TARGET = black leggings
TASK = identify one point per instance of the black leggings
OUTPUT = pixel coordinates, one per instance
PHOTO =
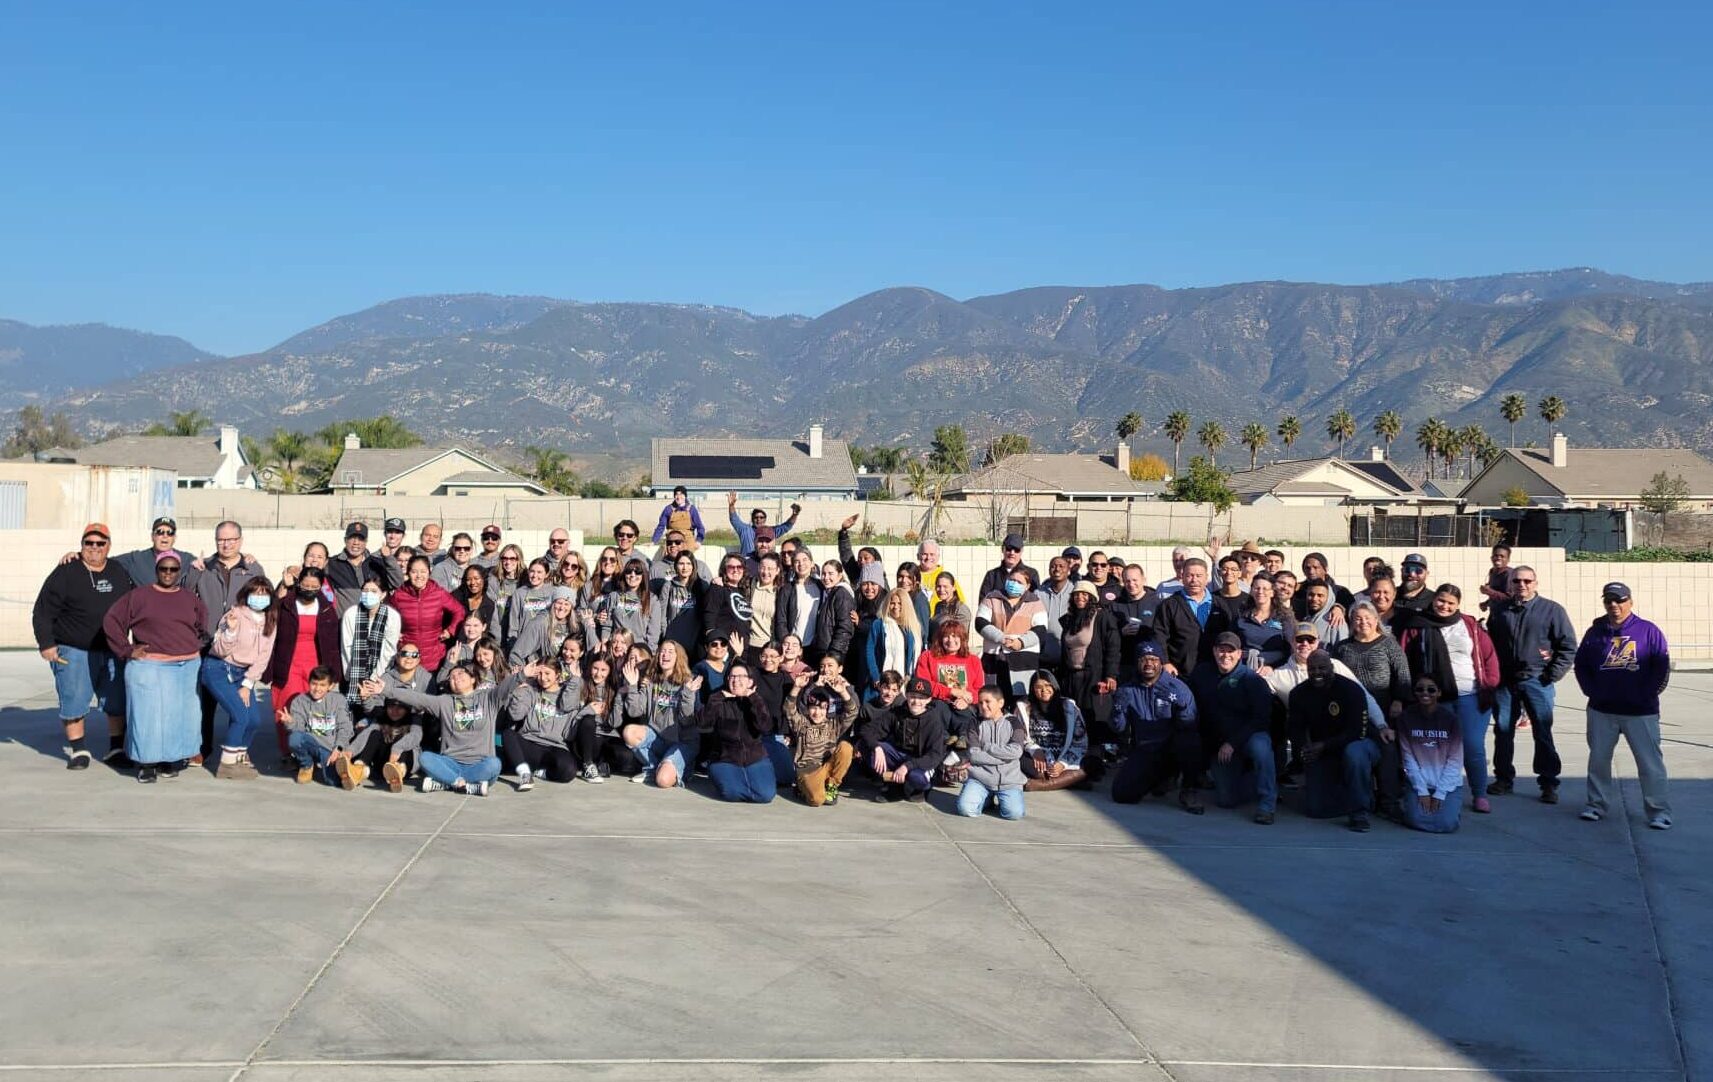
(594, 746)
(555, 764)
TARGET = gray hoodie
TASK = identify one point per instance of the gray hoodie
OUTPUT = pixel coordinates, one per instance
(624, 610)
(667, 708)
(542, 719)
(466, 721)
(328, 721)
(522, 607)
(996, 747)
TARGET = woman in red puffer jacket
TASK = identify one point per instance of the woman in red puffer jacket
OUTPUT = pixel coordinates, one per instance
(428, 615)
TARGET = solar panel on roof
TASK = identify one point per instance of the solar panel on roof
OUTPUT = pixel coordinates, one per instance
(719, 467)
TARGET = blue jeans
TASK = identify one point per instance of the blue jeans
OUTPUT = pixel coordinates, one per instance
(752, 784)
(1233, 786)
(972, 800)
(1443, 821)
(1508, 703)
(311, 755)
(784, 763)
(224, 680)
(1342, 784)
(81, 676)
(1473, 721)
(447, 770)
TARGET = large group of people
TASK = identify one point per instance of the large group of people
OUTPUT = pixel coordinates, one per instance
(776, 668)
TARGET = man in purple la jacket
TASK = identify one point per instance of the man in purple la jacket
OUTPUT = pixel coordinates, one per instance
(1622, 666)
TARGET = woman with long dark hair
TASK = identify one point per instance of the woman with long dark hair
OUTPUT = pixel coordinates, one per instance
(235, 672)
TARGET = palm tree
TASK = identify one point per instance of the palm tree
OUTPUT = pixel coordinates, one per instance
(1254, 437)
(1387, 426)
(1341, 426)
(1212, 436)
(1513, 408)
(1289, 429)
(1177, 429)
(1128, 425)
(1429, 435)
(288, 447)
(1552, 410)
(1472, 437)
(1451, 449)
(549, 468)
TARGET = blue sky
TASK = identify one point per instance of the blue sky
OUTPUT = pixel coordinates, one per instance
(233, 177)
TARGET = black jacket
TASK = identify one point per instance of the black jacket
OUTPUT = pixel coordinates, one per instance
(1334, 716)
(1105, 656)
(994, 581)
(347, 579)
(327, 645)
(725, 609)
(833, 627)
(921, 737)
(740, 725)
(1181, 636)
(1232, 706)
(1521, 632)
(1142, 610)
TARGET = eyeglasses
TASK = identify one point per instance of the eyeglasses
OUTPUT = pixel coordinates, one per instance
(508, 559)
(559, 541)
(227, 540)
(163, 532)
(1525, 582)
(96, 544)
(460, 548)
(609, 559)
(1612, 599)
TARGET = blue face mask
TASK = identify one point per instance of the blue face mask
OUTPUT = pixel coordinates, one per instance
(1013, 588)
(368, 600)
(258, 602)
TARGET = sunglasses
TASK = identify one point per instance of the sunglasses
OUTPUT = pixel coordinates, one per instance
(166, 533)
(167, 569)
(1008, 548)
(490, 537)
(559, 541)
(609, 559)
(1525, 582)
(97, 544)
(1613, 599)
(1099, 563)
(674, 541)
(409, 653)
(460, 548)
(633, 571)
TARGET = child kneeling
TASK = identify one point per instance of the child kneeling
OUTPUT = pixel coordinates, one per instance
(995, 748)
(320, 734)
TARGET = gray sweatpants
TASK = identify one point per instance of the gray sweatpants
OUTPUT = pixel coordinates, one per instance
(1641, 732)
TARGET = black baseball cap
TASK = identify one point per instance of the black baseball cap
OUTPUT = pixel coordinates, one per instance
(1416, 559)
(1072, 553)
(393, 525)
(357, 529)
(164, 521)
(1615, 591)
(1013, 541)
(1228, 638)
(920, 688)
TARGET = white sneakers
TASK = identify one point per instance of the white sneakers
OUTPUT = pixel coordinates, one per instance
(1592, 815)
(525, 779)
(1661, 821)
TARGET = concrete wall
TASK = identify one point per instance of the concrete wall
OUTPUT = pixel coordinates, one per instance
(1142, 520)
(1679, 597)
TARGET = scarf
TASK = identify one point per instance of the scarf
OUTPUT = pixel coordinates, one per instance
(1431, 651)
(366, 646)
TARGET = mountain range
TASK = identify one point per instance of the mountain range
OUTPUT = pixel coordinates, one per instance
(1633, 359)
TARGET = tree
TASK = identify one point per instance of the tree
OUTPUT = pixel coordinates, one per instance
(1430, 435)
(1513, 408)
(1387, 426)
(1290, 430)
(1204, 483)
(549, 469)
(1451, 449)
(35, 434)
(1472, 438)
(1128, 425)
(1005, 445)
(185, 423)
(1552, 410)
(951, 450)
(1516, 496)
(1341, 426)
(385, 431)
(1177, 429)
(1148, 468)
(1254, 437)
(1212, 436)
(1665, 495)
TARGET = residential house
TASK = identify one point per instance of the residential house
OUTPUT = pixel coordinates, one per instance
(1328, 482)
(1056, 478)
(1566, 476)
(423, 471)
(814, 468)
(203, 461)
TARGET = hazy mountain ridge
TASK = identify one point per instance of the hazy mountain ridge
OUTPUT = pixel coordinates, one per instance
(1059, 364)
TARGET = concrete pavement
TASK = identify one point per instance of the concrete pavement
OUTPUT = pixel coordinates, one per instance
(203, 929)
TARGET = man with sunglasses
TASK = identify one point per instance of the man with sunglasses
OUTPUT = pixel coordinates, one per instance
(163, 537)
(558, 547)
(489, 557)
(660, 568)
(67, 623)
(625, 535)
(1537, 647)
(1012, 560)
(1622, 665)
(757, 521)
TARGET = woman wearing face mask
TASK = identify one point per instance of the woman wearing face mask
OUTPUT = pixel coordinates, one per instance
(368, 637)
(235, 672)
(1010, 622)
(428, 616)
(307, 636)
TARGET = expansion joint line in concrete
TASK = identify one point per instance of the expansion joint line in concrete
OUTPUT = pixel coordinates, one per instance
(256, 1052)
(1673, 1012)
(1029, 926)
